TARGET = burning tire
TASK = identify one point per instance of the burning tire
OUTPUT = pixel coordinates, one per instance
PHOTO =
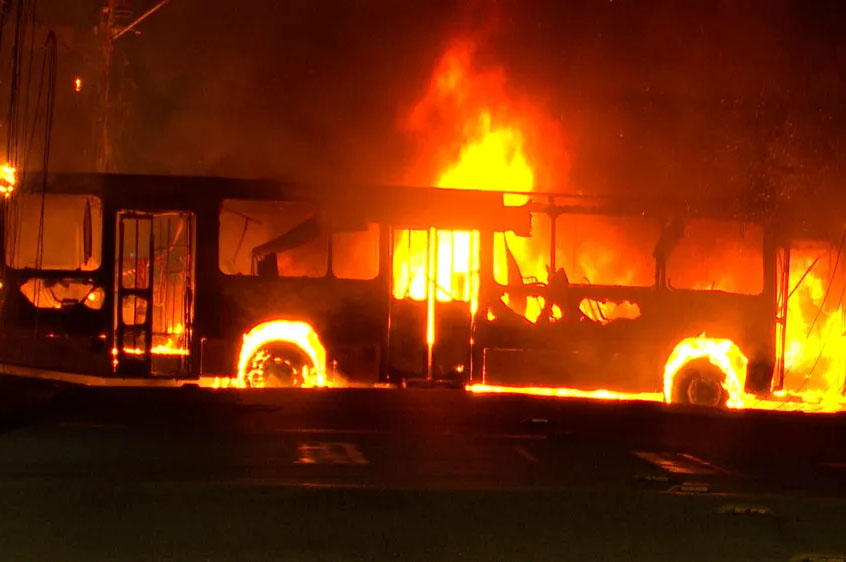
(278, 365)
(700, 383)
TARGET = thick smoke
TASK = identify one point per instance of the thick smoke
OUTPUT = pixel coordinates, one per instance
(724, 98)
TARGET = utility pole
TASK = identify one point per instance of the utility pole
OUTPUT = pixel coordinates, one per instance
(115, 20)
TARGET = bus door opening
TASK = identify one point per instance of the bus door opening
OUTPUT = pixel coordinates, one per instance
(435, 299)
(154, 293)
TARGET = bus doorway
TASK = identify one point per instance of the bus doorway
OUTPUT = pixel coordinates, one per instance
(434, 301)
(154, 287)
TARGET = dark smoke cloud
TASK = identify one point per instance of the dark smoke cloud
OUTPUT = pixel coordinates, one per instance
(655, 97)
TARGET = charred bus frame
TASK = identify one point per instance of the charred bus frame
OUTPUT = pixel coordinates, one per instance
(103, 321)
(98, 317)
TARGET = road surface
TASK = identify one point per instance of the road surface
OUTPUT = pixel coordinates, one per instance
(195, 474)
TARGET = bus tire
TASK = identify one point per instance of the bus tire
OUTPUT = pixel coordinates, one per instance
(699, 383)
(277, 364)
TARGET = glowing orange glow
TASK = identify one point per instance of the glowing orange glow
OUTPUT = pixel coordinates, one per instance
(432, 278)
(530, 308)
(174, 343)
(815, 349)
(534, 307)
(492, 159)
(77, 84)
(472, 134)
(228, 382)
(722, 353)
(563, 392)
(7, 179)
(557, 313)
(300, 334)
(606, 311)
(156, 350)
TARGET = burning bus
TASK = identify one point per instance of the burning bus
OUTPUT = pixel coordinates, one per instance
(119, 279)
(161, 280)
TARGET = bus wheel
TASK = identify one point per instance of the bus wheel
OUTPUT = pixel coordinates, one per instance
(700, 383)
(278, 365)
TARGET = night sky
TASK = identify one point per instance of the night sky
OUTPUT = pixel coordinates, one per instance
(652, 97)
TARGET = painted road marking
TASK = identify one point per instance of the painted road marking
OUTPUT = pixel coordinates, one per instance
(744, 509)
(687, 488)
(326, 452)
(652, 478)
(391, 433)
(526, 454)
(679, 463)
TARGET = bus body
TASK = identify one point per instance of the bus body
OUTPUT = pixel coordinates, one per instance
(623, 286)
(158, 279)
(162, 280)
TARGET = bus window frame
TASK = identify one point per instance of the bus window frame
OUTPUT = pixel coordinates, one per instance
(54, 273)
(761, 250)
(319, 209)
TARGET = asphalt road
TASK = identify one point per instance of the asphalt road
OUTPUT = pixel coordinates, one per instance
(193, 474)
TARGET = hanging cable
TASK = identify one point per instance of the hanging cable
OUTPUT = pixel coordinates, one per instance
(14, 84)
(14, 234)
(36, 116)
(50, 61)
(27, 91)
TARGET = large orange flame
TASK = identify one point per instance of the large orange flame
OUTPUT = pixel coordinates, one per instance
(298, 333)
(472, 134)
(815, 339)
(722, 353)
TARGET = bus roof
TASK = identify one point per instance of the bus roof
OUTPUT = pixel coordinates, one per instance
(400, 206)
(421, 207)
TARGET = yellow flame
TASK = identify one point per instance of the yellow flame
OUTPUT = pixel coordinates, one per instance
(295, 332)
(606, 311)
(815, 350)
(7, 179)
(564, 392)
(493, 159)
(161, 349)
(722, 353)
